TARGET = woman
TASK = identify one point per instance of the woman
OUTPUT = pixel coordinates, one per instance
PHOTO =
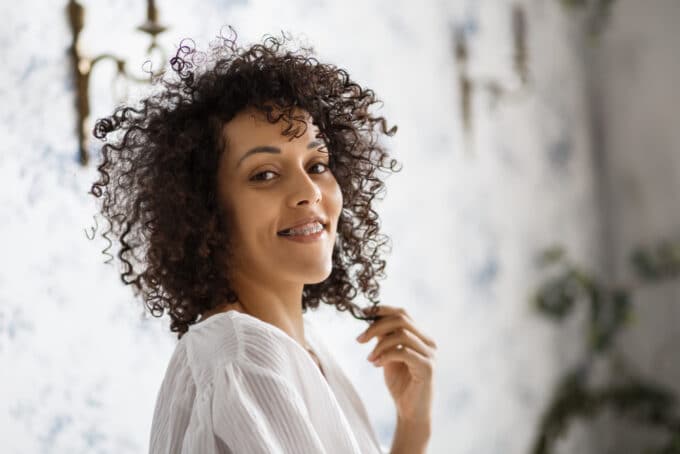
(241, 196)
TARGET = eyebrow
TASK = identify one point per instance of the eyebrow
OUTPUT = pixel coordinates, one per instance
(274, 150)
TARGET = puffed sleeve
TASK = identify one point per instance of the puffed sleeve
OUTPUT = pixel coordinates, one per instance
(176, 428)
(257, 411)
(173, 405)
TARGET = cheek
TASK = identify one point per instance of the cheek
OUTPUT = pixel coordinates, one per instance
(334, 197)
(257, 213)
(247, 215)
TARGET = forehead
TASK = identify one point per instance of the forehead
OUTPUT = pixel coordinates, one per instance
(250, 128)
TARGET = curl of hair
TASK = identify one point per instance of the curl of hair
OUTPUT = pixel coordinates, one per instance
(157, 178)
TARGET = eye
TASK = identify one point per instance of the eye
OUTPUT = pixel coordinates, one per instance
(325, 166)
(257, 175)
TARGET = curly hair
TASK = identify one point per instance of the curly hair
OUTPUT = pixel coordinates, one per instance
(158, 180)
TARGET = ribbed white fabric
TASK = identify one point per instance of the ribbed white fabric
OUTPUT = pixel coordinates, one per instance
(238, 385)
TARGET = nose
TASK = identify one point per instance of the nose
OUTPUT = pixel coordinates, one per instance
(304, 190)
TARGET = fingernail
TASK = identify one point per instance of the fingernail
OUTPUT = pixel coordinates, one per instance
(361, 336)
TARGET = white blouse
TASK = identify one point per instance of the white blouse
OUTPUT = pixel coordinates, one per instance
(238, 385)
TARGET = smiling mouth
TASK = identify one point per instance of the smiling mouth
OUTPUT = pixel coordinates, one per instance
(306, 230)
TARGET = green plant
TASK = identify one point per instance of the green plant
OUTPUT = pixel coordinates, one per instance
(610, 308)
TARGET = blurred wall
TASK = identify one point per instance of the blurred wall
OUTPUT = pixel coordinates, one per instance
(634, 72)
(79, 363)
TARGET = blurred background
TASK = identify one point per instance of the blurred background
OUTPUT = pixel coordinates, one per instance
(535, 224)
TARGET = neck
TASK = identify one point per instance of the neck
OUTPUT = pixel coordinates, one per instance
(279, 305)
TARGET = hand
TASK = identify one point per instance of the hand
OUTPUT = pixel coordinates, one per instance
(408, 370)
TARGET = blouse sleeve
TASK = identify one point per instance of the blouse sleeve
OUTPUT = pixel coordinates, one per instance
(181, 422)
(239, 407)
(258, 411)
(173, 405)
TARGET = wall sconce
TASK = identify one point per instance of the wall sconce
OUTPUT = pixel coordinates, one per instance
(82, 66)
(495, 88)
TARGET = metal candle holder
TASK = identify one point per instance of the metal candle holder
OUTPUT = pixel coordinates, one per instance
(82, 65)
(495, 88)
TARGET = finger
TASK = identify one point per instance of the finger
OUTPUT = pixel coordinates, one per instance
(418, 365)
(400, 337)
(390, 323)
(382, 310)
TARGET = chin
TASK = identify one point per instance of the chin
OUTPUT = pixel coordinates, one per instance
(307, 269)
(318, 275)
(318, 281)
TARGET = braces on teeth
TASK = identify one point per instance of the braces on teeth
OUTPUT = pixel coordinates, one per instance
(317, 227)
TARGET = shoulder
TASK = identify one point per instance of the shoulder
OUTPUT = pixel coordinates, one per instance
(234, 338)
(177, 368)
(265, 346)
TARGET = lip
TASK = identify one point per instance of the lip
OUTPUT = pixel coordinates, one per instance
(307, 220)
(306, 238)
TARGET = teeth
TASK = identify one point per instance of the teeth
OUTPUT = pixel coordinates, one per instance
(308, 229)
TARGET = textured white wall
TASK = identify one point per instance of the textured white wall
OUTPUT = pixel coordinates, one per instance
(80, 365)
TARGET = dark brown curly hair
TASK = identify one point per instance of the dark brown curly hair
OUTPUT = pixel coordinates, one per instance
(158, 174)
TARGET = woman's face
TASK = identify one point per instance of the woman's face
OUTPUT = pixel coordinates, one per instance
(267, 183)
